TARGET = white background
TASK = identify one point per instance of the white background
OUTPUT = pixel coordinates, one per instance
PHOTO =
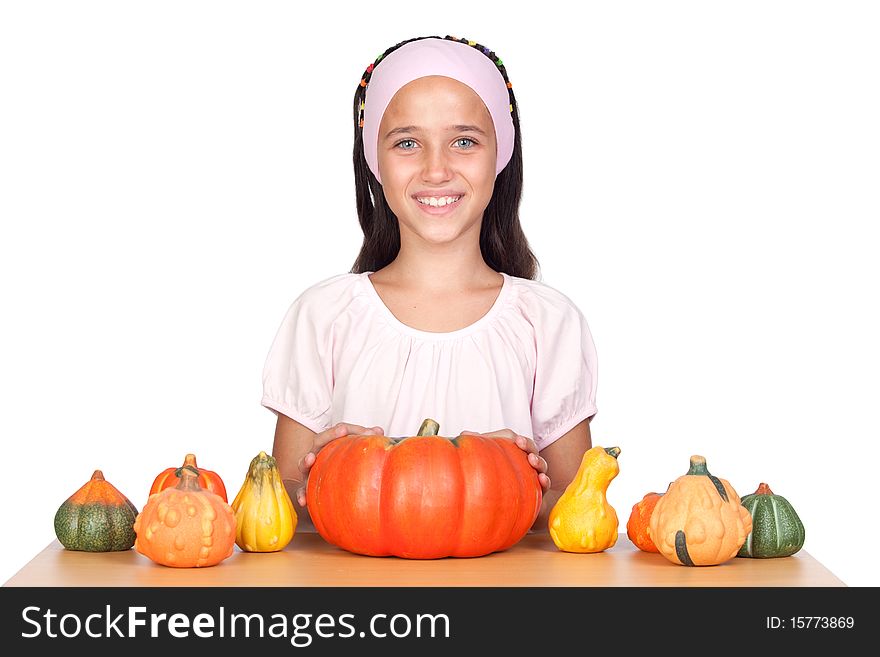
(701, 179)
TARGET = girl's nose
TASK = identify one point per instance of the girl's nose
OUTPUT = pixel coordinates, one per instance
(436, 162)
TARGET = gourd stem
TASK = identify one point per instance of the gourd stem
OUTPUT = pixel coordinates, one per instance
(261, 465)
(189, 478)
(179, 472)
(613, 451)
(429, 428)
(262, 461)
(763, 489)
(698, 466)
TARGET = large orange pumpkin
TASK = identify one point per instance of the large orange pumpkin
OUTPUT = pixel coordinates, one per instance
(185, 526)
(208, 479)
(423, 496)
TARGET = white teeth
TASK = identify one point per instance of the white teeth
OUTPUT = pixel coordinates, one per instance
(437, 202)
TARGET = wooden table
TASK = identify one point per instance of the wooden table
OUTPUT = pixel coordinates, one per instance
(309, 561)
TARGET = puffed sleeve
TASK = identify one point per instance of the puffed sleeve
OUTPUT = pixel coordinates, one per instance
(298, 372)
(565, 372)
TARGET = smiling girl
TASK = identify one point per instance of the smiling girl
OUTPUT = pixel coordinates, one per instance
(440, 316)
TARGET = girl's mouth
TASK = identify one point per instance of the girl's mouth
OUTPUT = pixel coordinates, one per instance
(439, 209)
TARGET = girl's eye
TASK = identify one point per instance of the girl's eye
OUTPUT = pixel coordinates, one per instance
(404, 141)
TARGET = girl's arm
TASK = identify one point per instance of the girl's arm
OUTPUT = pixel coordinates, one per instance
(563, 457)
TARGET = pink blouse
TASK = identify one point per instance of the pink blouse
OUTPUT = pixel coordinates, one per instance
(340, 355)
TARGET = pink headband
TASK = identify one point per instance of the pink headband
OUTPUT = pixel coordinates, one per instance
(435, 56)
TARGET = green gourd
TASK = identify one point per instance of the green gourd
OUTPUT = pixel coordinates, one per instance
(777, 531)
(96, 518)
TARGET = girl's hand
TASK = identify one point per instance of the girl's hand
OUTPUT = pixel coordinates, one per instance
(528, 446)
(308, 460)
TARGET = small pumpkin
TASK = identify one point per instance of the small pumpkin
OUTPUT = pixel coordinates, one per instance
(208, 479)
(424, 496)
(96, 518)
(699, 520)
(186, 526)
(582, 520)
(637, 525)
(265, 518)
(777, 530)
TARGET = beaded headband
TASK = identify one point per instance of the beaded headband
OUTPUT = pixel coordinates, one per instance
(449, 57)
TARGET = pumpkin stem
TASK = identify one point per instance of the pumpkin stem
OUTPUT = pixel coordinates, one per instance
(763, 489)
(190, 460)
(429, 428)
(98, 476)
(613, 451)
(189, 478)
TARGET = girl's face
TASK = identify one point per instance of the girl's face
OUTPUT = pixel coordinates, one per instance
(441, 143)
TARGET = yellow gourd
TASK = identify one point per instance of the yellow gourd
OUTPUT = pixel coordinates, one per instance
(582, 520)
(264, 515)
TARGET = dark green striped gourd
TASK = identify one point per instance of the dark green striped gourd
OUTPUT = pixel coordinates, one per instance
(777, 531)
(96, 518)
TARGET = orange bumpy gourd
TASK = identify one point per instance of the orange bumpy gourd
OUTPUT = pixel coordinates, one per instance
(699, 521)
(637, 525)
(186, 526)
(208, 479)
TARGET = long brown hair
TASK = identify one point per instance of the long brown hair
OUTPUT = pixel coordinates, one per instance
(502, 242)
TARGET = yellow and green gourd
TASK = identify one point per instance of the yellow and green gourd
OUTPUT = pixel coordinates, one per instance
(264, 514)
(777, 530)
